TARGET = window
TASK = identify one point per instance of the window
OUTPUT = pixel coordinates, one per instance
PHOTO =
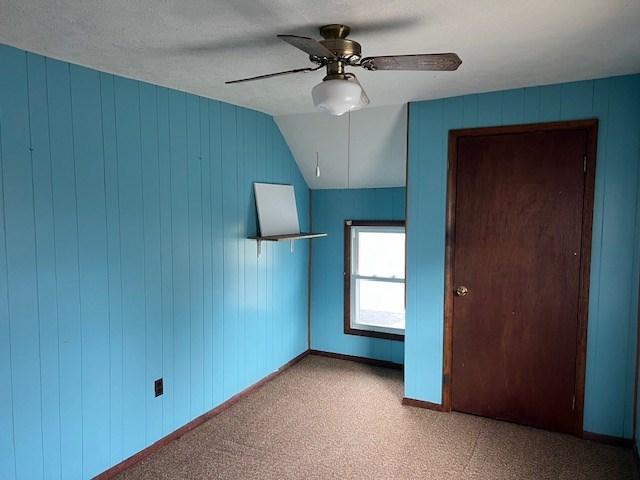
(374, 286)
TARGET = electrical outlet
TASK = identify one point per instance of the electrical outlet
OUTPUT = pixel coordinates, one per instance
(158, 387)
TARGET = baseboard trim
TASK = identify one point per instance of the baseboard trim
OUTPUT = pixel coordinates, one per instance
(153, 448)
(411, 402)
(353, 358)
(608, 439)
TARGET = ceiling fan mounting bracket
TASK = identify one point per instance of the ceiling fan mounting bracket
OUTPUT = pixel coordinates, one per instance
(334, 30)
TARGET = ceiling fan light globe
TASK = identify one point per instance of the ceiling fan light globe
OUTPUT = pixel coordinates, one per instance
(336, 96)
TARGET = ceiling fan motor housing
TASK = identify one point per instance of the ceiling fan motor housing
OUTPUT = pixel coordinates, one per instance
(343, 48)
(348, 52)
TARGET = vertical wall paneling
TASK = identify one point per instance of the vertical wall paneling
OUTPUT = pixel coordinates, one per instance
(531, 105)
(319, 275)
(194, 247)
(614, 359)
(512, 106)
(127, 107)
(92, 255)
(302, 271)
(490, 108)
(22, 268)
(67, 275)
(469, 111)
(207, 276)
(613, 293)
(149, 142)
(334, 264)
(575, 100)
(342, 201)
(269, 260)
(114, 289)
(19, 231)
(240, 251)
(431, 203)
(230, 274)
(217, 256)
(550, 103)
(166, 261)
(7, 444)
(124, 211)
(288, 330)
(276, 146)
(45, 259)
(250, 255)
(410, 337)
(601, 111)
(261, 300)
(180, 255)
(330, 209)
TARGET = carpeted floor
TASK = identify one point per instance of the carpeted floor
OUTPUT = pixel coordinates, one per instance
(327, 418)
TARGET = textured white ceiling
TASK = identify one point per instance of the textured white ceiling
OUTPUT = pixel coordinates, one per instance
(196, 45)
(364, 151)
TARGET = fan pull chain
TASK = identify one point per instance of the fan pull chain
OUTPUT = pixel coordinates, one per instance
(349, 152)
(318, 145)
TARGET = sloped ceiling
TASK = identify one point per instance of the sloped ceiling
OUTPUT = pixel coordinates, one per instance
(364, 150)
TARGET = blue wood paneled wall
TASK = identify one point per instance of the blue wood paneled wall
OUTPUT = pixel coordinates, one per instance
(123, 259)
(613, 302)
(330, 208)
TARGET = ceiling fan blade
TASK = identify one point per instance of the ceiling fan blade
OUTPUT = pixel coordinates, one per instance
(428, 61)
(309, 45)
(364, 98)
(269, 75)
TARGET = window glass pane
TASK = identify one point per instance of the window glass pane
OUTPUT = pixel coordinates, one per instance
(380, 254)
(380, 304)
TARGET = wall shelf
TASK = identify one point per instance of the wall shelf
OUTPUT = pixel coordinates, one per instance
(283, 238)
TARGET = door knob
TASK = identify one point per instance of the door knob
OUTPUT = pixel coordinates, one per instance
(461, 291)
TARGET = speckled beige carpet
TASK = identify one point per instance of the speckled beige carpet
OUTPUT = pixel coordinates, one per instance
(327, 418)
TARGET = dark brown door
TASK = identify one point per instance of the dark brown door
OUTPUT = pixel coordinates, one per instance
(517, 249)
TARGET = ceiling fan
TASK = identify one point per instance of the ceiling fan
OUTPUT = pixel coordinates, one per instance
(340, 91)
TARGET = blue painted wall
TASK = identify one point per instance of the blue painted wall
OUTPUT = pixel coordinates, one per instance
(613, 302)
(330, 208)
(123, 216)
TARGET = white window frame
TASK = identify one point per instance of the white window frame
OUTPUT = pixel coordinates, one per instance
(356, 228)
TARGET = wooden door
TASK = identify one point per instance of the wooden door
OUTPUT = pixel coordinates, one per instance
(518, 250)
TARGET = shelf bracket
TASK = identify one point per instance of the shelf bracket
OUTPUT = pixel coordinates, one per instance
(283, 238)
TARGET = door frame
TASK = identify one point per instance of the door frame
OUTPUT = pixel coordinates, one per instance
(591, 127)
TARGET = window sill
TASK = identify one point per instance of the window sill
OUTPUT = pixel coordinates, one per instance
(371, 333)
